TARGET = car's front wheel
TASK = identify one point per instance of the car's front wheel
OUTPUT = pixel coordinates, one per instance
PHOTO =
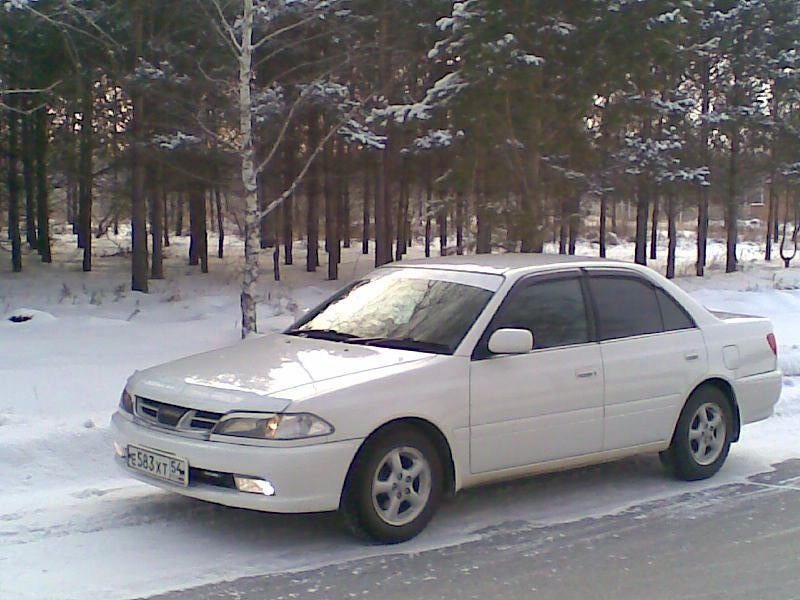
(394, 486)
(702, 436)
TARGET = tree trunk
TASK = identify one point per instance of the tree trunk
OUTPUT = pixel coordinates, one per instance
(365, 208)
(574, 225)
(654, 230)
(732, 207)
(771, 216)
(614, 216)
(642, 210)
(85, 172)
(343, 215)
(266, 229)
(179, 215)
(702, 232)
(483, 233)
(312, 200)
(402, 212)
(533, 224)
(42, 201)
(603, 220)
(200, 226)
(702, 207)
(194, 226)
(220, 223)
(428, 203)
(428, 236)
(165, 213)
(249, 175)
(383, 217)
(289, 173)
(156, 221)
(672, 233)
(383, 213)
(27, 174)
(331, 213)
(460, 222)
(441, 220)
(563, 229)
(276, 250)
(13, 194)
(138, 203)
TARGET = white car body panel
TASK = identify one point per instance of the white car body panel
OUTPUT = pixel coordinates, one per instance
(504, 417)
(549, 406)
(646, 379)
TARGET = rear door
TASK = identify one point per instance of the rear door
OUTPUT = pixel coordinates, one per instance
(652, 356)
(546, 404)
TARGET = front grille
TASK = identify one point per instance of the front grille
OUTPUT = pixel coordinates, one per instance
(175, 417)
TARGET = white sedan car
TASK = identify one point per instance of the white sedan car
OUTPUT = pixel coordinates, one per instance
(428, 377)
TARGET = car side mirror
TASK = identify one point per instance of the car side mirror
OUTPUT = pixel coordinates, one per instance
(511, 341)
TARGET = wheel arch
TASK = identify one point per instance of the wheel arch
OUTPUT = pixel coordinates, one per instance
(726, 389)
(431, 431)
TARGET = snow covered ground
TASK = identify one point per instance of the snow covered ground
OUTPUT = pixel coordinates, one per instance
(73, 526)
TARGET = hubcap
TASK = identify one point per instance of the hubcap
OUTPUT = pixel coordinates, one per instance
(401, 486)
(707, 434)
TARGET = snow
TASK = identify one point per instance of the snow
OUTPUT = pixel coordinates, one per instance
(73, 526)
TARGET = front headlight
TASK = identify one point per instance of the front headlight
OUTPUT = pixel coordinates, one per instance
(273, 427)
(126, 402)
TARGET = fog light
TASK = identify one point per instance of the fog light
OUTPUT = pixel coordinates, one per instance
(120, 450)
(254, 486)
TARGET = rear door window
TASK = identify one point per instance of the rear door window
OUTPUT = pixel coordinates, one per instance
(675, 317)
(625, 306)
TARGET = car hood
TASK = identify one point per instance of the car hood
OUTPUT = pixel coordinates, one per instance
(253, 375)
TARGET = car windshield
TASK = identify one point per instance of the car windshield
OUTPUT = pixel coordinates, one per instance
(413, 309)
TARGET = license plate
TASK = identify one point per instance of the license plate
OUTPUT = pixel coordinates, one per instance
(158, 465)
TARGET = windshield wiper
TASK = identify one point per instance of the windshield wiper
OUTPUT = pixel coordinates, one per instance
(403, 344)
(322, 334)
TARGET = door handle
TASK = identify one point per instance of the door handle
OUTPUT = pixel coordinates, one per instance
(692, 355)
(585, 374)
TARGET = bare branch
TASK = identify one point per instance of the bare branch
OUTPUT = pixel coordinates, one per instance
(30, 90)
(231, 146)
(229, 32)
(288, 192)
(287, 28)
(286, 122)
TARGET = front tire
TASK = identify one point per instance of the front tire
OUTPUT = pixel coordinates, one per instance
(394, 486)
(702, 437)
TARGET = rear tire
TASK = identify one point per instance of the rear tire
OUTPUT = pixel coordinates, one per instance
(394, 486)
(702, 437)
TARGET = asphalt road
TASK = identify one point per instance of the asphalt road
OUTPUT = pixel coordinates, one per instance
(736, 541)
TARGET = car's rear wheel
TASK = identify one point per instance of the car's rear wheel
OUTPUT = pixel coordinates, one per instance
(394, 486)
(702, 437)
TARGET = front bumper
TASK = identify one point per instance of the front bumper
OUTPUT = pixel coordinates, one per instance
(305, 478)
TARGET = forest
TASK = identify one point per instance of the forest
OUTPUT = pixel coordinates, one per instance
(470, 126)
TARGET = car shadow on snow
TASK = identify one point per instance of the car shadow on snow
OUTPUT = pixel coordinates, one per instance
(538, 500)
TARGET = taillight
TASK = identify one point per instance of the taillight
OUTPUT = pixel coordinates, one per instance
(772, 343)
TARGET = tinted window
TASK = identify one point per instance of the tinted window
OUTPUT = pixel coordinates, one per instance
(674, 316)
(553, 311)
(625, 307)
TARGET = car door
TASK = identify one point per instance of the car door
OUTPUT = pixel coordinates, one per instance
(546, 404)
(652, 355)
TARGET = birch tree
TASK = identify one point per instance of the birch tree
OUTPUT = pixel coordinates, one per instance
(254, 32)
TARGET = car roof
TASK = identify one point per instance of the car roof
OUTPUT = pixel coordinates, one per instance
(506, 263)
